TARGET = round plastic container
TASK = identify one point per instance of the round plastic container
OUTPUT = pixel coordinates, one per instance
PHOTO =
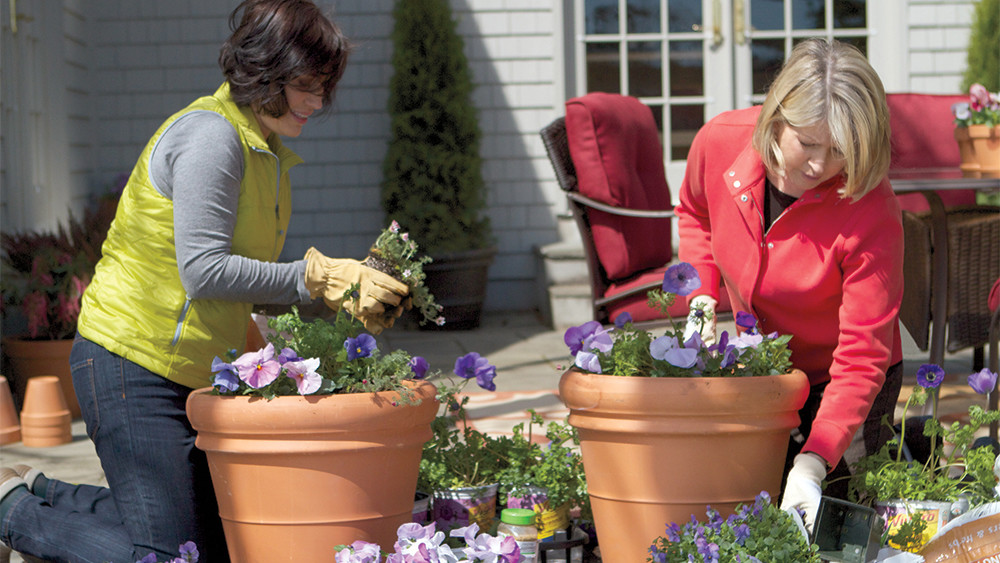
(519, 523)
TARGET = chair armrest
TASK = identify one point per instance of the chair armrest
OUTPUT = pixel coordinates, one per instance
(623, 211)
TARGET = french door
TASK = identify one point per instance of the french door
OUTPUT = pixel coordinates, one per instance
(690, 60)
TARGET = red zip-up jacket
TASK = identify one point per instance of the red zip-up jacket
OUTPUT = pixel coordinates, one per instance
(829, 271)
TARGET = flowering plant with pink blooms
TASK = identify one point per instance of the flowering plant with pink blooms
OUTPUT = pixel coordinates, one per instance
(420, 544)
(625, 350)
(397, 254)
(46, 272)
(983, 108)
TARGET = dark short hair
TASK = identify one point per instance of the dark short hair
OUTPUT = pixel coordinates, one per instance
(275, 41)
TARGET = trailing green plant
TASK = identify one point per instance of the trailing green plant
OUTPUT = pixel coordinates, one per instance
(757, 532)
(397, 254)
(458, 455)
(433, 183)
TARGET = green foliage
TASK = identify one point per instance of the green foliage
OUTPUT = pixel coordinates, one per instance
(983, 59)
(325, 340)
(947, 474)
(433, 174)
(556, 467)
(757, 532)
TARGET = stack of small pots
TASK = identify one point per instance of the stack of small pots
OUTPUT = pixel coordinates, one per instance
(45, 417)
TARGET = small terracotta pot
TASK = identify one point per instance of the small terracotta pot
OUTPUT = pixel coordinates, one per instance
(45, 418)
(969, 164)
(31, 358)
(986, 144)
(657, 450)
(10, 428)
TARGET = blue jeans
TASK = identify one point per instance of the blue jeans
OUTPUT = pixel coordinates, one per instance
(159, 492)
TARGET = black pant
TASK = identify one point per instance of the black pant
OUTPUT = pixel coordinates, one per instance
(873, 433)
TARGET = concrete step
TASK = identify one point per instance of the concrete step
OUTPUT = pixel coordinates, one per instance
(562, 263)
(569, 305)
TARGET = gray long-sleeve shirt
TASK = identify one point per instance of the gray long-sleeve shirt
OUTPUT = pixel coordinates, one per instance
(198, 164)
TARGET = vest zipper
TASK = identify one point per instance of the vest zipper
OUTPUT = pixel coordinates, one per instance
(180, 321)
(277, 199)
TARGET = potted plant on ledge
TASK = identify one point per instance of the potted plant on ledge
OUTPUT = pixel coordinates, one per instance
(669, 426)
(433, 183)
(44, 275)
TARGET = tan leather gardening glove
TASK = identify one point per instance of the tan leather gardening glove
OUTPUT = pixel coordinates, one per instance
(378, 296)
(701, 318)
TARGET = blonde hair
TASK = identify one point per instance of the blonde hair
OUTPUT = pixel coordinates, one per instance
(831, 83)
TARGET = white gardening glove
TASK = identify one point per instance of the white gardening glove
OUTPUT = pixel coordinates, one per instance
(701, 318)
(803, 488)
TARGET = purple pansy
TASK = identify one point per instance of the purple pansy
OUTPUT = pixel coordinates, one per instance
(575, 335)
(681, 279)
(360, 347)
(668, 349)
(419, 367)
(473, 365)
(983, 381)
(623, 319)
(259, 368)
(930, 376)
(226, 375)
(588, 361)
(287, 355)
(745, 320)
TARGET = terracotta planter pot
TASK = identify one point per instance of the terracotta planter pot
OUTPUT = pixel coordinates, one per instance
(10, 427)
(31, 358)
(986, 145)
(45, 419)
(969, 164)
(657, 450)
(297, 476)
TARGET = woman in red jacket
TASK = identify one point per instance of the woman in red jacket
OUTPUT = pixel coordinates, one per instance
(788, 203)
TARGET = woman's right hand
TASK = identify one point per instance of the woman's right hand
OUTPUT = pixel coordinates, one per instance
(379, 295)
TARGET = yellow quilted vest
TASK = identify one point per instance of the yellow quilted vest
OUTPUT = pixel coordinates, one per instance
(136, 306)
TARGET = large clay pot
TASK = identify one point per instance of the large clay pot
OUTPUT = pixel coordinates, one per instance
(297, 476)
(458, 281)
(29, 358)
(657, 450)
(10, 426)
(986, 145)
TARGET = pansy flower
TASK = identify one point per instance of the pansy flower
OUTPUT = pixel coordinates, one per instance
(258, 368)
(575, 335)
(419, 367)
(360, 347)
(473, 365)
(303, 372)
(681, 279)
(226, 375)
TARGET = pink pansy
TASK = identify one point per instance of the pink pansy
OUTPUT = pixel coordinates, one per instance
(258, 368)
(304, 374)
(979, 97)
(394, 226)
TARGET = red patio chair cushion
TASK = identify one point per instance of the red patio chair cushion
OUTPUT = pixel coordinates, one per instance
(618, 157)
(923, 136)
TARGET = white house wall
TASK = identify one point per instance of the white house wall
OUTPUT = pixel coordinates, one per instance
(130, 63)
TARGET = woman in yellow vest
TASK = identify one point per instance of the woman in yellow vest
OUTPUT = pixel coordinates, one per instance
(193, 246)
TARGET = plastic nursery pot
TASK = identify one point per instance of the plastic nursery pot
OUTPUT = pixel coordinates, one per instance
(550, 520)
(657, 450)
(45, 418)
(421, 507)
(897, 512)
(10, 427)
(299, 475)
(458, 507)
